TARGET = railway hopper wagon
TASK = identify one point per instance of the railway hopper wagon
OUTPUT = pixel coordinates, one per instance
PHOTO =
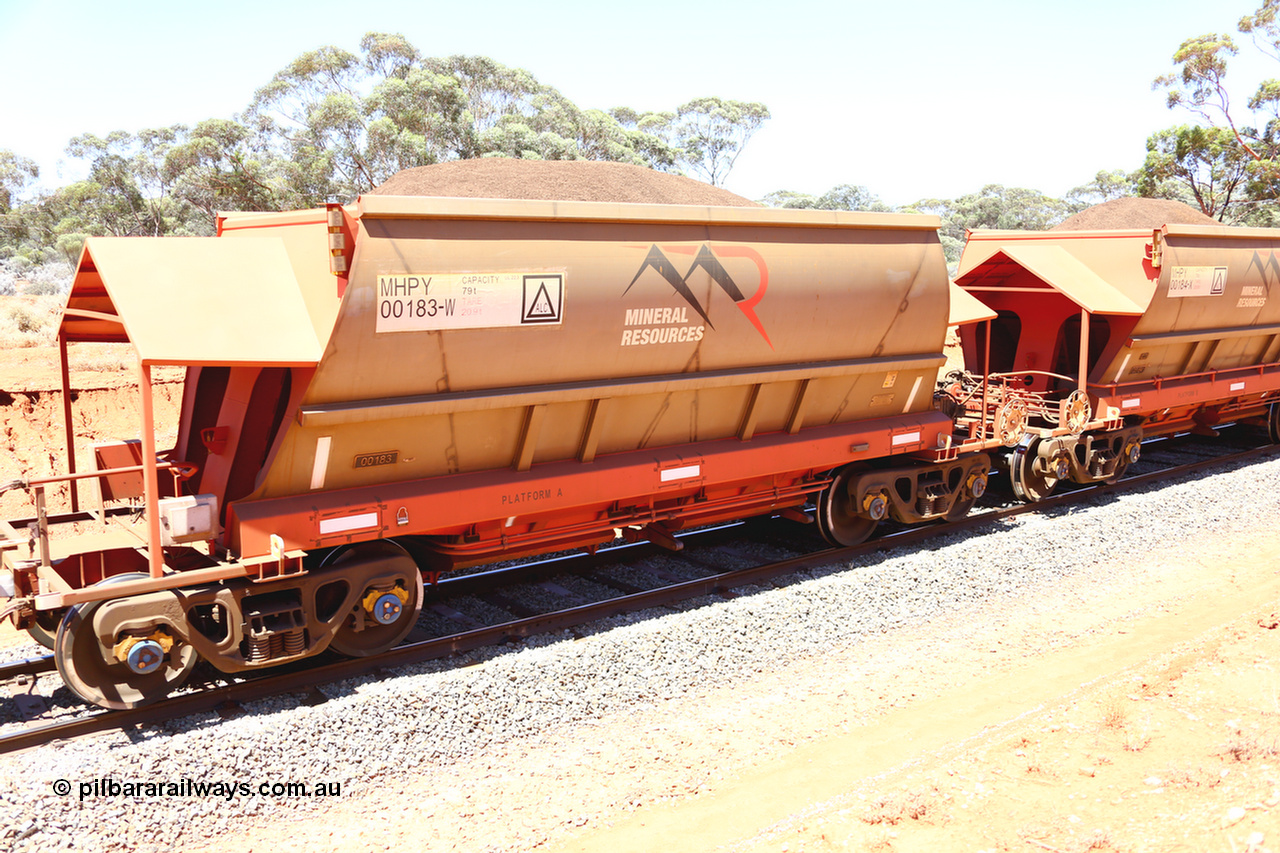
(1102, 337)
(380, 392)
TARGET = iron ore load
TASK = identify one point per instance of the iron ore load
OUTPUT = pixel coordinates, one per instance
(383, 391)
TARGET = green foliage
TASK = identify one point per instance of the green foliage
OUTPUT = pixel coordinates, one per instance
(70, 245)
(994, 206)
(309, 115)
(710, 133)
(648, 134)
(1200, 82)
(150, 183)
(342, 123)
(15, 173)
(215, 166)
(1264, 27)
(1105, 186)
(125, 193)
(1202, 162)
(1230, 165)
(334, 123)
(839, 197)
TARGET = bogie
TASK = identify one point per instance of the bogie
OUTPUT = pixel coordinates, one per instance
(859, 497)
(130, 651)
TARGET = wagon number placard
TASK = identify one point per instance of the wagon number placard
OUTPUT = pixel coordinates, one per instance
(1197, 281)
(428, 302)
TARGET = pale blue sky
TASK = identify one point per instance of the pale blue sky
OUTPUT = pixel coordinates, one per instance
(913, 100)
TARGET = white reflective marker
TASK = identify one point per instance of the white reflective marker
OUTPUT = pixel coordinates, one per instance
(680, 473)
(322, 461)
(348, 522)
(911, 398)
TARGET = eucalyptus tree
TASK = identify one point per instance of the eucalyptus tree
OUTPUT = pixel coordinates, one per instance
(311, 114)
(710, 133)
(1203, 166)
(344, 122)
(16, 172)
(217, 167)
(334, 123)
(1107, 185)
(839, 197)
(1250, 137)
(994, 206)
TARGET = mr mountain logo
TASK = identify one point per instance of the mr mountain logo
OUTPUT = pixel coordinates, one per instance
(672, 325)
(1255, 295)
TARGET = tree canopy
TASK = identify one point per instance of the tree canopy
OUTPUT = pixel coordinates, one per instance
(839, 197)
(334, 123)
(1229, 161)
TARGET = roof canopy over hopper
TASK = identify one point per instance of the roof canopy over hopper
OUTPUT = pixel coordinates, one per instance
(1098, 282)
(966, 309)
(193, 300)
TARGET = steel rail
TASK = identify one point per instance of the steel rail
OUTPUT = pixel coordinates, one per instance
(29, 666)
(310, 677)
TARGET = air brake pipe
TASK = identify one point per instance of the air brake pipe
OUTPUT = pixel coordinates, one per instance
(186, 471)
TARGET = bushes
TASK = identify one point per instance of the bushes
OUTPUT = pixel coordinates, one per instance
(28, 322)
(31, 297)
(18, 275)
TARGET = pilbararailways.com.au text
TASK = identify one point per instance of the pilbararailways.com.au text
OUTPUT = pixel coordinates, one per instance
(111, 787)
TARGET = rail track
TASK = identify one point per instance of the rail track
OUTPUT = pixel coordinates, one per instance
(227, 697)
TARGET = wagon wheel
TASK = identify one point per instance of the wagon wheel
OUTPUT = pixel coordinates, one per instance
(1029, 485)
(961, 508)
(95, 676)
(1273, 423)
(973, 490)
(380, 618)
(1011, 421)
(838, 519)
(1128, 456)
(1075, 412)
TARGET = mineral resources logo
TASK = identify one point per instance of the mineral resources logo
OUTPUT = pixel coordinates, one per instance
(672, 325)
